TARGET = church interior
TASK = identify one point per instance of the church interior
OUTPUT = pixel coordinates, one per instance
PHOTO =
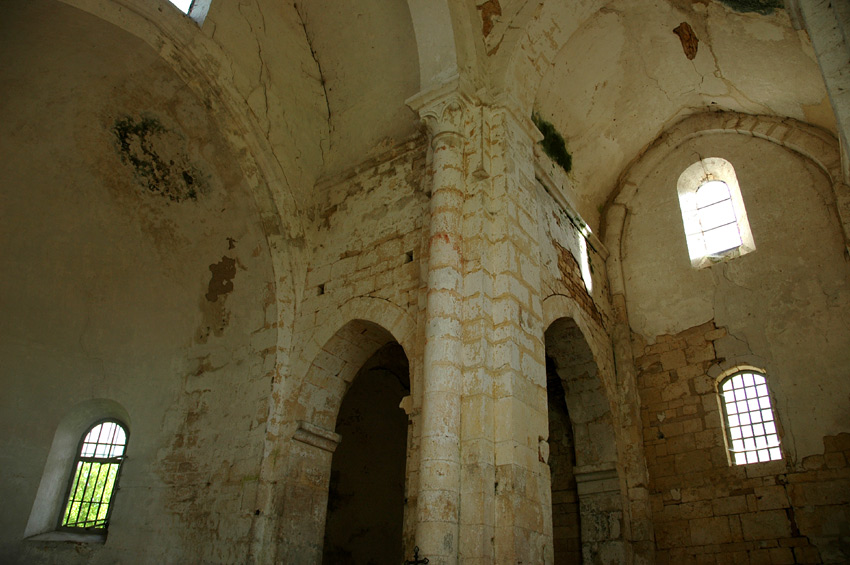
(381, 281)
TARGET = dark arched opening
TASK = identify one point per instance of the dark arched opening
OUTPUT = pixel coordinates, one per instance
(366, 495)
(566, 522)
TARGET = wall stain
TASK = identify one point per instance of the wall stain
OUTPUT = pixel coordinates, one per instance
(689, 39)
(158, 158)
(489, 11)
(221, 281)
(216, 316)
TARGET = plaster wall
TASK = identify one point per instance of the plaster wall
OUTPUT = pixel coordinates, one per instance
(623, 76)
(785, 306)
(156, 295)
(276, 75)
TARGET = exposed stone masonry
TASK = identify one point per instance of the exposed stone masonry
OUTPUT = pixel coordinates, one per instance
(706, 510)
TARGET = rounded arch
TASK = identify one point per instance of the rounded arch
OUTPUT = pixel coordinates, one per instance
(323, 371)
(331, 357)
(389, 316)
(544, 33)
(50, 497)
(557, 306)
(588, 404)
(814, 144)
(596, 435)
(435, 41)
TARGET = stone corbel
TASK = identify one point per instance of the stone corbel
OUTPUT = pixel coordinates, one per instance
(410, 410)
(312, 434)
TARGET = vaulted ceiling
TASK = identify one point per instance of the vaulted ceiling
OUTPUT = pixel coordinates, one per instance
(328, 80)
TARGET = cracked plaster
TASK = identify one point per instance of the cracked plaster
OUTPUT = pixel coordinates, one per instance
(622, 78)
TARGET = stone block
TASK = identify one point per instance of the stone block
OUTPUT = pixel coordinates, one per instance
(714, 530)
(771, 524)
(675, 390)
(672, 360)
(729, 505)
(771, 497)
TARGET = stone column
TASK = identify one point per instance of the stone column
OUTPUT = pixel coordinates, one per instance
(438, 505)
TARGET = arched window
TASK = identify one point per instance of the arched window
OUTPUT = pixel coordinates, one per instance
(716, 225)
(750, 422)
(94, 477)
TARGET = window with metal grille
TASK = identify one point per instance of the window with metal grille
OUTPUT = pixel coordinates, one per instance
(95, 477)
(717, 217)
(750, 422)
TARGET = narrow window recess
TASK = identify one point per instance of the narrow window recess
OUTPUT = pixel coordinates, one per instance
(320, 290)
(751, 431)
(713, 213)
(408, 257)
(586, 270)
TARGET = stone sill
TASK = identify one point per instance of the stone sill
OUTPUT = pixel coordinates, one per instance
(75, 537)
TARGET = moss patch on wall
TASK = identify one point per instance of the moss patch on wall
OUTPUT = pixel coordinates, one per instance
(553, 143)
(764, 7)
(158, 158)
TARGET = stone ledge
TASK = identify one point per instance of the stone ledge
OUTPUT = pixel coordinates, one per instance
(75, 537)
(312, 434)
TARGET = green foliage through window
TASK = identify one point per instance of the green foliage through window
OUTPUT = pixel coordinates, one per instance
(91, 493)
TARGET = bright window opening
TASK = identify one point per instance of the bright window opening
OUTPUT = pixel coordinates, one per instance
(750, 422)
(183, 5)
(713, 213)
(95, 478)
(195, 9)
(717, 217)
(586, 273)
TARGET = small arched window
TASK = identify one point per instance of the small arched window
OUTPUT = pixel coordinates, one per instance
(716, 225)
(751, 431)
(94, 477)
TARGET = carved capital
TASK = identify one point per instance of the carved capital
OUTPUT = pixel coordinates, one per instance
(442, 109)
